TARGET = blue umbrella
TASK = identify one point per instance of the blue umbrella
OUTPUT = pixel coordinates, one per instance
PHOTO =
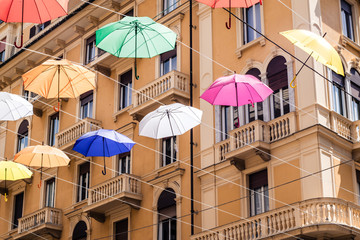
(103, 143)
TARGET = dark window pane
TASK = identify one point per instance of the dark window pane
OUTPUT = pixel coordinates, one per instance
(121, 230)
(53, 128)
(18, 209)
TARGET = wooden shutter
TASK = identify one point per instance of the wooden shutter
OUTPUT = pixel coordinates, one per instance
(258, 179)
(32, 31)
(86, 97)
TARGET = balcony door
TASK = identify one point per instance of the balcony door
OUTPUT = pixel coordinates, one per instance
(18, 209)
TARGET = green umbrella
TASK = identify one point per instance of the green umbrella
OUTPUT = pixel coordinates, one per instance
(135, 37)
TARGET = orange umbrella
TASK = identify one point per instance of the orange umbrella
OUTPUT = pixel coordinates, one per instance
(59, 79)
(42, 156)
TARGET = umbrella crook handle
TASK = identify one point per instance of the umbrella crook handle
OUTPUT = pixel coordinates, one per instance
(39, 185)
(292, 83)
(57, 109)
(252, 103)
(21, 42)
(104, 171)
(5, 197)
(228, 26)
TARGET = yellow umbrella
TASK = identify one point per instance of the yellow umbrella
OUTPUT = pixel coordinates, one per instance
(59, 79)
(13, 171)
(42, 156)
(317, 47)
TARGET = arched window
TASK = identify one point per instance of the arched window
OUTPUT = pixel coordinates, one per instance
(278, 82)
(79, 232)
(256, 112)
(23, 133)
(338, 90)
(355, 94)
(167, 215)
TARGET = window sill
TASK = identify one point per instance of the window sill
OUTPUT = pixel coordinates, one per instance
(163, 169)
(260, 40)
(347, 41)
(120, 112)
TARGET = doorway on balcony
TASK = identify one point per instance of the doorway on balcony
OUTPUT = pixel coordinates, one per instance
(80, 231)
(167, 215)
(168, 61)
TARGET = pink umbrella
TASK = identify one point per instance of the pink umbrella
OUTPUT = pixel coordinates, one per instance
(236, 90)
(31, 11)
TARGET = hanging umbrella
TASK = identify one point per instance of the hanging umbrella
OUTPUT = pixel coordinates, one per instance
(59, 79)
(14, 107)
(318, 48)
(169, 120)
(236, 90)
(12, 171)
(230, 4)
(135, 37)
(103, 143)
(42, 156)
(31, 11)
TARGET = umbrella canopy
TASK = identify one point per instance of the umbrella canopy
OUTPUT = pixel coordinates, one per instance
(103, 143)
(42, 156)
(170, 120)
(135, 37)
(13, 171)
(236, 90)
(14, 107)
(31, 11)
(59, 79)
(317, 47)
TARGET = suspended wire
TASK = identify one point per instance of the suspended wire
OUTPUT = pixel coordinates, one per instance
(200, 53)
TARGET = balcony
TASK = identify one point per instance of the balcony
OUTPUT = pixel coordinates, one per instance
(65, 139)
(169, 88)
(310, 219)
(44, 222)
(242, 141)
(124, 188)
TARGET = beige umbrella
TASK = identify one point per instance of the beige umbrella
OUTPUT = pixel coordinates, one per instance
(59, 79)
(42, 156)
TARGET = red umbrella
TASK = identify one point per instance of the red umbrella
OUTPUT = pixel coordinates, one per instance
(229, 4)
(31, 11)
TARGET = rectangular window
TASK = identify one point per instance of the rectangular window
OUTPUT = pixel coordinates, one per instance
(53, 128)
(255, 112)
(252, 16)
(91, 53)
(18, 209)
(124, 163)
(2, 50)
(38, 28)
(121, 229)
(86, 104)
(168, 6)
(259, 194)
(229, 120)
(50, 193)
(84, 181)
(347, 20)
(167, 229)
(169, 150)
(338, 88)
(168, 62)
(281, 102)
(125, 89)
(22, 141)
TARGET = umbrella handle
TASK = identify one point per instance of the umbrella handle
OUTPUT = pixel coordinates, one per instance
(292, 83)
(228, 26)
(5, 198)
(57, 109)
(252, 103)
(39, 185)
(104, 171)
(21, 42)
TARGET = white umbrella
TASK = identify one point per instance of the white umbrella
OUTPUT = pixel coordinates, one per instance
(170, 120)
(14, 107)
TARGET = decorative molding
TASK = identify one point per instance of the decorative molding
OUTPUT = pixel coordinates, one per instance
(60, 43)
(29, 63)
(260, 40)
(93, 20)
(115, 5)
(48, 51)
(79, 30)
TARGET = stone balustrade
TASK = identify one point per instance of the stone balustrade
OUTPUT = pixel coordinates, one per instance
(171, 80)
(312, 212)
(45, 215)
(341, 125)
(68, 136)
(123, 183)
(271, 131)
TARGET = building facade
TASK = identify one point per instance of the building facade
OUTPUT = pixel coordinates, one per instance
(286, 168)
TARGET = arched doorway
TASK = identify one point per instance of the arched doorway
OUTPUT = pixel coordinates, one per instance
(79, 232)
(167, 215)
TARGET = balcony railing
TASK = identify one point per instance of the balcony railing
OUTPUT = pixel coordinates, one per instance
(313, 212)
(267, 132)
(43, 216)
(172, 80)
(67, 137)
(104, 195)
